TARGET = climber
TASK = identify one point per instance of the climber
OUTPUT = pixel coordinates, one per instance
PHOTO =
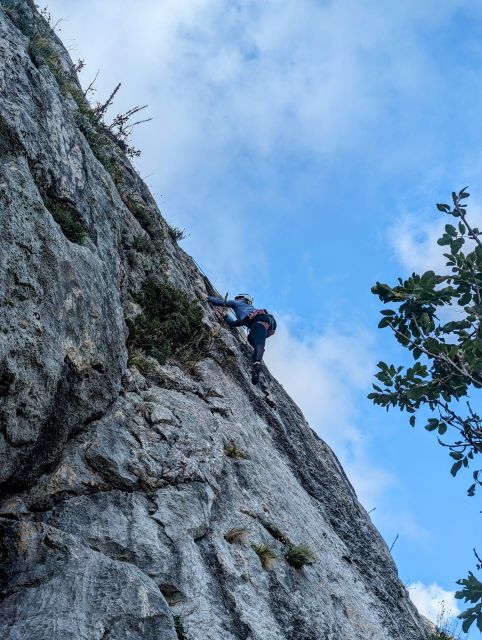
(260, 324)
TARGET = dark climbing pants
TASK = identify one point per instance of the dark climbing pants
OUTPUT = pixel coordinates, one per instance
(257, 338)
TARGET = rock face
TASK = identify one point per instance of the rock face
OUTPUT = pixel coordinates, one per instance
(120, 479)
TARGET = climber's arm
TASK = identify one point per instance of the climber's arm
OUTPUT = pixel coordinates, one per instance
(233, 323)
(221, 303)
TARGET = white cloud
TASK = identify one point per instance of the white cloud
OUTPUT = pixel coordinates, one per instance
(433, 601)
(415, 244)
(414, 238)
(263, 81)
(263, 77)
(326, 374)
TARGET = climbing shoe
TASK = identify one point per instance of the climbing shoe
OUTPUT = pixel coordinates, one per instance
(255, 371)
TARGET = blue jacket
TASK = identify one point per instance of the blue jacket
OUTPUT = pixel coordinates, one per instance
(240, 308)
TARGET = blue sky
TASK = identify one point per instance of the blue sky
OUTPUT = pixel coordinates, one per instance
(303, 145)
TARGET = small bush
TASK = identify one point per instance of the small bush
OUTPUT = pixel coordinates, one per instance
(439, 634)
(236, 534)
(41, 51)
(112, 165)
(232, 450)
(265, 553)
(170, 325)
(447, 627)
(95, 135)
(144, 217)
(67, 218)
(142, 245)
(299, 555)
(139, 360)
(177, 234)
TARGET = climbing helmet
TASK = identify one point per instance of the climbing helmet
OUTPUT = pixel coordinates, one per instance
(244, 296)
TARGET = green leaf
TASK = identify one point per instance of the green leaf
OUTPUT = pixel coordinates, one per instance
(456, 455)
(465, 299)
(478, 251)
(412, 421)
(442, 428)
(428, 278)
(415, 392)
(432, 424)
(444, 208)
(444, 240)
(451, 230)
(466, 624)
(455, 468)
(462, 228)
(456, 245)
(384, 322)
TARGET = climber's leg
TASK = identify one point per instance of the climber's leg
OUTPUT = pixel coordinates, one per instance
(257, 338)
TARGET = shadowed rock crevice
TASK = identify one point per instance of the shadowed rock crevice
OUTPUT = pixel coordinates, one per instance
(10, 143)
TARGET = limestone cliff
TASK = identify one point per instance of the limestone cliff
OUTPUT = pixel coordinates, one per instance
(121, 477)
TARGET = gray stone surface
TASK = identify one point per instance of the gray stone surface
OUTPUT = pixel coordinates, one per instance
(117, 490)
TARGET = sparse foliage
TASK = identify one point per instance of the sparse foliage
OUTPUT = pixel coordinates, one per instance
(265, 553)
(232, 450)
(138, 359)
(446, 627)
(66, 216)
(41, 51)
(121, 126)
(142, 244)
(78, 66)
(170, 325)
(47, 16)
(299, 555)
(447, 354)
(143, 216)
(236, 534)
(73, 228)
(177, 234)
